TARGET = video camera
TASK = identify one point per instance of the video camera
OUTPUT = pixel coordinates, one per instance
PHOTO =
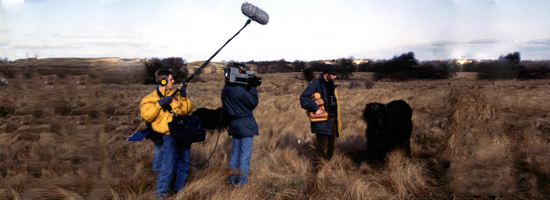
(236, 74)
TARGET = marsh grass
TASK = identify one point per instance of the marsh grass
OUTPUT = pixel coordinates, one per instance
(64, 138)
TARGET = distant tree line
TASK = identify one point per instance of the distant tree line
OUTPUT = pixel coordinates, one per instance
(407, 67)
(399, 68)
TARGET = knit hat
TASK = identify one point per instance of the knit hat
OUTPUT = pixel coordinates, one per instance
(331, 69)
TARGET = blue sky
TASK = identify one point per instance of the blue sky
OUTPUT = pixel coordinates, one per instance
(297, 30)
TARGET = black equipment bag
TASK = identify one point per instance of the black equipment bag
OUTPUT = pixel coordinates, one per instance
(153, 136)
(186, 129)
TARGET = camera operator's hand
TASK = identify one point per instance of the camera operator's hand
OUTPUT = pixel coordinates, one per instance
(165, 101)
(319, 113)
(254, 81)
(183, 89)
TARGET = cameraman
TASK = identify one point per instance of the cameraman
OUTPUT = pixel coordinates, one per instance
(326, 131)
(156, 109)
(238, 102)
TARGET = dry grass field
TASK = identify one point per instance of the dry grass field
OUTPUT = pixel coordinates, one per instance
(64, 138)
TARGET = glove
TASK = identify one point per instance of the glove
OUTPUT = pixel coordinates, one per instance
(183, 90)
(254, 81)
(165, 101)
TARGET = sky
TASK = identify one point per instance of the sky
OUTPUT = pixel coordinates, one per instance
(297, 30)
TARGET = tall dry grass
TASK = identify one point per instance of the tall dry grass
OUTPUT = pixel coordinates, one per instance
(63, 138)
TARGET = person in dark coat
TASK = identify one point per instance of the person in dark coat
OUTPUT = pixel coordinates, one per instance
(327, 131)
(238, 102)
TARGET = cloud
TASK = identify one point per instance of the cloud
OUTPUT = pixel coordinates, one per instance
(443, 43)
(112, 41)
(90, 35)
(482, 41)
(36, 1)
(107, 1)
(541, 44)
(540, 41)
(105, 43)
(83, 40)
(4, 43)
(474, 2)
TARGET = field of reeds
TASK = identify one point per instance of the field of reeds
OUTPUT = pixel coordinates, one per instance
(63, 137)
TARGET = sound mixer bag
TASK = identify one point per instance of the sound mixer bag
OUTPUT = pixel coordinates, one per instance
(319, 101)
(186, 129)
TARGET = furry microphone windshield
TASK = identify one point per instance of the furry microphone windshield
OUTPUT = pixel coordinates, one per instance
(255, 13)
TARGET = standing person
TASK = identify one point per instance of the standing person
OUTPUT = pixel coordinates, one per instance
(156, 108)
(325, 131)
(238, 102)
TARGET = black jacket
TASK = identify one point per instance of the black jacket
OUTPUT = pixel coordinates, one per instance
(238, 103)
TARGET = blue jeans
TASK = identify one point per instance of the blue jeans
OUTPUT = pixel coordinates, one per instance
(157, 158)
(173, 159)
(240, 157)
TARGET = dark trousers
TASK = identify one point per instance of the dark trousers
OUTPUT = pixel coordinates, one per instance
(326, 143)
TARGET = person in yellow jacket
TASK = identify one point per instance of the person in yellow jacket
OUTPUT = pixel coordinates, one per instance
(156, 108)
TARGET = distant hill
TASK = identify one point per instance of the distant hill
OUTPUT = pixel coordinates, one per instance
(107, 69)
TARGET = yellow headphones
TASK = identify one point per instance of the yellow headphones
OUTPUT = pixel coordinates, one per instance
(164, 81)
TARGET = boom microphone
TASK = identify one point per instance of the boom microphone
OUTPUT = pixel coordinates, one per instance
(255, 13)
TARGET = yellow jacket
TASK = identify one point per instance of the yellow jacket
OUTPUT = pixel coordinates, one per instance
(153, 113)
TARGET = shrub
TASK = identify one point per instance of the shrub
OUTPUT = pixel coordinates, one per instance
(279, 66)
(506, 67)
(177, 65)
(534, 70)
(309, 74)
(406, 67)
(366, 67)
(470, 67)
(346, 67)
(316, 65)
(298, 65)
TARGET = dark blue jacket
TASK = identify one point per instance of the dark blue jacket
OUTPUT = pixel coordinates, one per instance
(319, 85)
(238, 103)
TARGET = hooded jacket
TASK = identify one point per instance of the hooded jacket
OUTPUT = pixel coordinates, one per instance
(320, 85)
(238, 103)
(153, 113)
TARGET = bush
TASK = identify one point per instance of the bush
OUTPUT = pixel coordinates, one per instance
(298, 65)
(470, 67)
(262, 66)
(346, 67)
(406, 67)
(534, 70)
(279, 66)
(366, 67)
(317, 66)
(506, 67)
(176, 64)
(309, 74)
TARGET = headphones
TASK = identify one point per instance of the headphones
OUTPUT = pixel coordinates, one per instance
(164, 81)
